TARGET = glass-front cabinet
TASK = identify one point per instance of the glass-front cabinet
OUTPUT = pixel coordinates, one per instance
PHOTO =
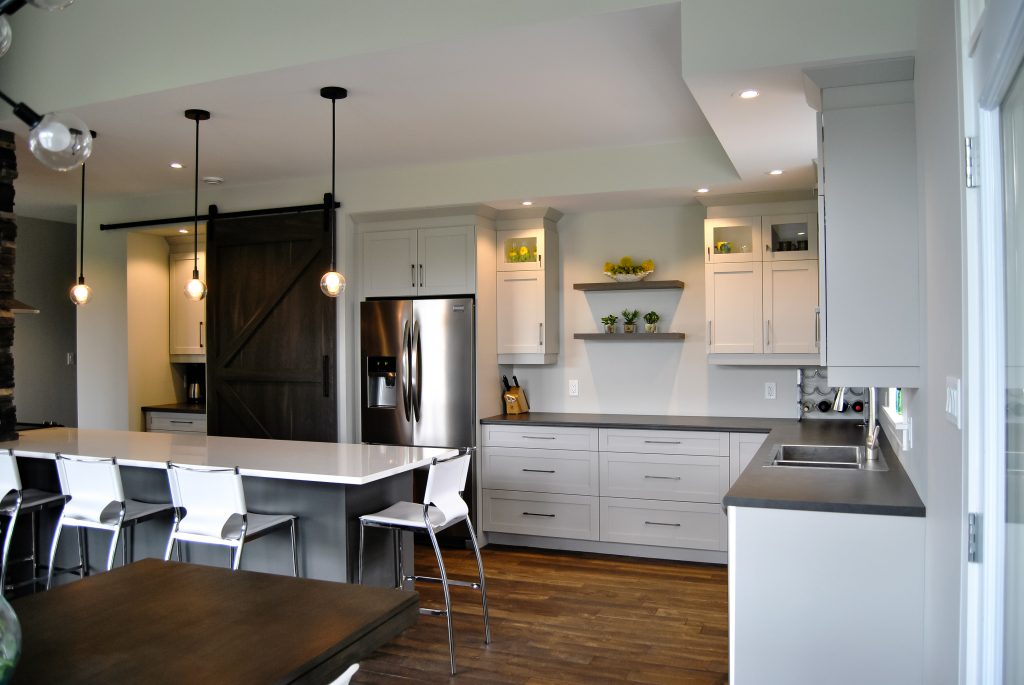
(521, 250)
(732, 240)
(790, 237)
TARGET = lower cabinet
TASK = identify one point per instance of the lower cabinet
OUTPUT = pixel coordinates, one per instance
(175, 422)
(649, 488)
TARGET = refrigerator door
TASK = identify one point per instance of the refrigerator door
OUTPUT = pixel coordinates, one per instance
(385, 370)
(442, 373)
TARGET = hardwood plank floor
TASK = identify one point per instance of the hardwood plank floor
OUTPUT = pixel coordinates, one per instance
(565, 617)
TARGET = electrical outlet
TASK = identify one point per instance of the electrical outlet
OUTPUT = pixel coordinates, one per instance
(769, 391)
(574, 388)
(69, 359)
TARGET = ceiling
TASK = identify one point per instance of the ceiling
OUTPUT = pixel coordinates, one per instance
(606, 80)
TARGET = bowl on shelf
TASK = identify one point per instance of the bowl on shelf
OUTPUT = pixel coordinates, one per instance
(628, 278)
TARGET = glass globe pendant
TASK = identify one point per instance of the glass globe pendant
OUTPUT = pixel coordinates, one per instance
(60, 140)
(6, 35)
(50, 5)
(80, 293)
(195, 289)
(333, 283)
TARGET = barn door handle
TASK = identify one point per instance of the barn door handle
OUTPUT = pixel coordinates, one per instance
(327, 376)
(200, 334)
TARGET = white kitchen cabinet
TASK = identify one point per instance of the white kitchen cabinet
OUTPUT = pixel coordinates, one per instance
(789, 237)
(187, 325)
(730, 240)
(528, 302)
(419, 262)
(790, 306)
(742, 448)
(733, 307)
(175, 422)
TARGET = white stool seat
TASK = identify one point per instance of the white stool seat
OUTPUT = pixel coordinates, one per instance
(135, 511)
(406, 515)
(30, 499)
(258, 524)
(15, 501)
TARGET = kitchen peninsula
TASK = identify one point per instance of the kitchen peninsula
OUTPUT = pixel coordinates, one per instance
(327, 485)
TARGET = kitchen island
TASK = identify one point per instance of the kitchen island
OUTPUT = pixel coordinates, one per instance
(327, 485)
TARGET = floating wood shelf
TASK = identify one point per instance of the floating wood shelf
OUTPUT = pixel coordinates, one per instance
(634, 285)
(633, 337)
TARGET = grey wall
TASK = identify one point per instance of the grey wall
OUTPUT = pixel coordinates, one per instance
(45, 387)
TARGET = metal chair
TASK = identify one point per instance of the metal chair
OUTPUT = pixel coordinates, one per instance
(95, 499)
(346, 677)
(16, 501)
(209, 508)
(442, 507)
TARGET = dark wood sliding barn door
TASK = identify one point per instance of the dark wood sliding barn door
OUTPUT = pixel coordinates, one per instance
(271, 344)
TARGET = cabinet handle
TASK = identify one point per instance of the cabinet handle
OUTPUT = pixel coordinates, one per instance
(540, 338)
(511, 280)
(180, 421)
(817, 326)
(327, 375)
(540, 261)
(659, 523)
(421, 275)
(200, 334)
(530, 513)
(661, 442)
(710, 341)
(768, 332)
(539, 437)
(767, 248)
(412, 275)
(539, 470)
(709, 254)
(664, 477)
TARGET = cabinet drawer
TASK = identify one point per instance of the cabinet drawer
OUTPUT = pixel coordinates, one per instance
(665, 524)
(680, 478)
(537, 513)
(168, 422)
(710, 443)
(567, 472)
(543, 437)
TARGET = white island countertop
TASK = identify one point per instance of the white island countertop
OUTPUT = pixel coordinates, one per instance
(322, 462)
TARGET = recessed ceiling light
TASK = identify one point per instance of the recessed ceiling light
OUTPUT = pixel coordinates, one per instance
(216, 180)
(527, 203)
(182, 230)
(177, 165)
(702, 190)
(775, 172)
(749, 94)
(802, 233)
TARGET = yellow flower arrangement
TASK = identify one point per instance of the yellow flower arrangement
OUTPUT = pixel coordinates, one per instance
(627, 266)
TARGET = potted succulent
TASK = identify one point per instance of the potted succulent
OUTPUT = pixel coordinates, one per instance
(609, 323)
(651, 319)
(629, 318)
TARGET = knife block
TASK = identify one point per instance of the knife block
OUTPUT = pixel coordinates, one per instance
(515, 401)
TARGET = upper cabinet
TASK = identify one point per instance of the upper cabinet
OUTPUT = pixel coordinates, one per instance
(528, 297)
(732, 240)
(789, 237)
(868, 203)
(419, 262)
(187, 318)
(784, 237)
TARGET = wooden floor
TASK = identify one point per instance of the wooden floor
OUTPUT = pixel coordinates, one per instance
(563, 617)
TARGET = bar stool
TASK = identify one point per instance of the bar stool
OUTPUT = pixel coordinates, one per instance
(442, 507)
(209, 508)
(15, 502)
(96, 500)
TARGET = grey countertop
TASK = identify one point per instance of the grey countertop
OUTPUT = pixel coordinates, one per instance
(859, 492)
(182, 407)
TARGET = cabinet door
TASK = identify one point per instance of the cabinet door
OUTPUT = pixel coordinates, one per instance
(187, 318)
(521, 250)
(789, 237)
(733, 299)
(389, 264)
(520, 312)
(732, 240)
(791, 306)
(447, 261)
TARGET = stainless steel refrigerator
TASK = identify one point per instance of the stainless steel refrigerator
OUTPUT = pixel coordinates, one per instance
(417, 372)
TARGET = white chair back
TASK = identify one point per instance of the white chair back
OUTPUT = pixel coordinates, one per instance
(211, 497)
(444, 483)
(93, 485)
(10, 479)
(346, 677)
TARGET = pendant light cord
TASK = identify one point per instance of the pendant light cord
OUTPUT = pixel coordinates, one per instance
(334, 167)
(81, 228)
(195, 212)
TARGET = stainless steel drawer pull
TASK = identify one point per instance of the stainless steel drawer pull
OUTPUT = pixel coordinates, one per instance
(658, 523)
(539, 437)
(539, 470)
(547, 516)
(664, 477)
(177, 421)
(661, 442)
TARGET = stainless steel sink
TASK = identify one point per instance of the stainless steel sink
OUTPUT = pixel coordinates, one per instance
(847, 457)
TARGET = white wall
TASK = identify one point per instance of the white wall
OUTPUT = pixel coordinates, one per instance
(639, 377)
(46, 267)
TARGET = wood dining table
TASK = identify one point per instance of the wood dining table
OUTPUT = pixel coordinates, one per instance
(167, 622)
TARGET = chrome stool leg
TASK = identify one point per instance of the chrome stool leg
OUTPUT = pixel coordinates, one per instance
(400, 558)
(359, 559)
(447, 597)
(483, 585)
(53, 551)
(238, 557)
(295, 549)
(83, 552)
(113, 548)
(9, 533)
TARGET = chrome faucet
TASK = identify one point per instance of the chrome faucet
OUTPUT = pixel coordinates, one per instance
(839, 404)
(871, 425)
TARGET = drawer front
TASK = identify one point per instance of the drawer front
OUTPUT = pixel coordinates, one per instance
(537, 513)
(540, 437)
(679, 478)
(664, 524)
(558, 471)
(168, 422)
(710, 443)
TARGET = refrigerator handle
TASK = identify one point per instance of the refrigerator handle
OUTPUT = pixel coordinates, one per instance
(417, 355)
(406, 362)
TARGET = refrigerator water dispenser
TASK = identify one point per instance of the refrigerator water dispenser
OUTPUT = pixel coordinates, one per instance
(381, 385)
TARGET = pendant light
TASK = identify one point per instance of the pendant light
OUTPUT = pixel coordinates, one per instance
(195, 289)
(60, 140)
(80, 293)
(333, 283)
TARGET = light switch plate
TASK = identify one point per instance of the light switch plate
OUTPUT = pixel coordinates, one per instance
(953, 400)
(574, 388)
(770, 391)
